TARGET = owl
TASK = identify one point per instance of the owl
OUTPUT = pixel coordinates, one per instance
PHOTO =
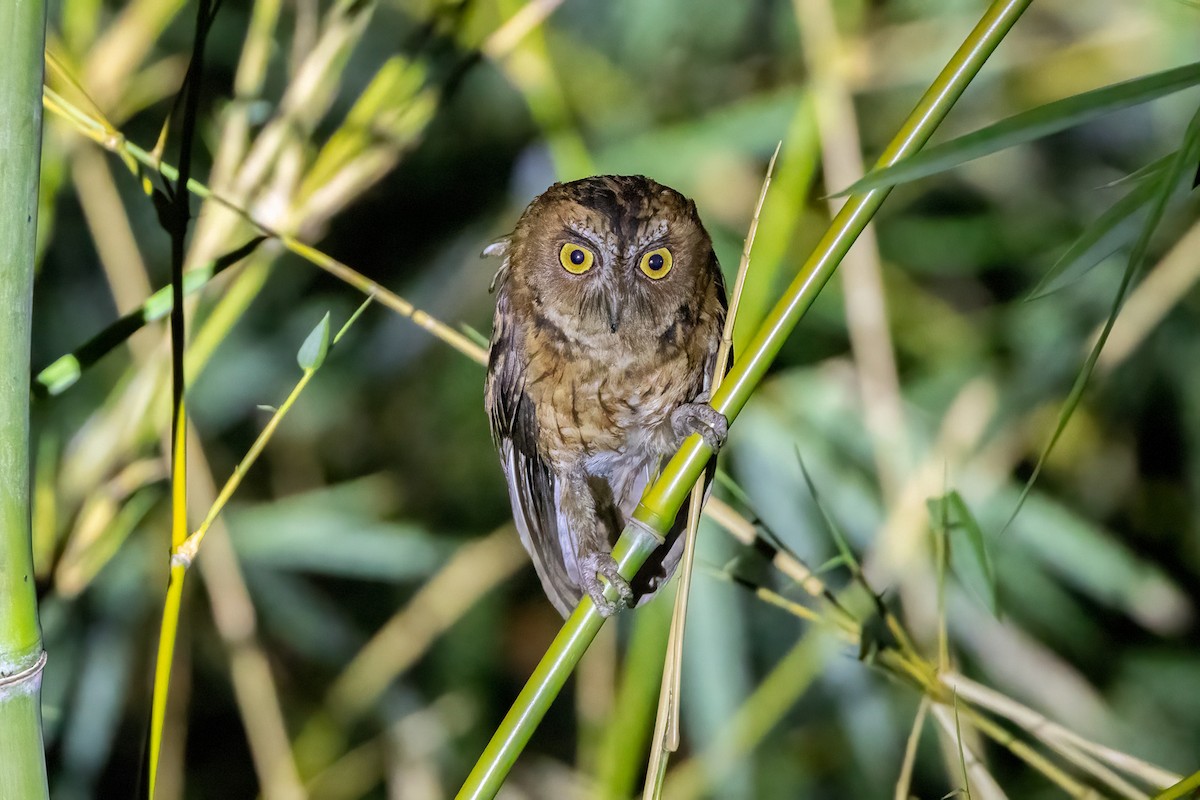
(609, 311)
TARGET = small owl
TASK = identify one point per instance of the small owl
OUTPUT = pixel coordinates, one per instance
(609, 310)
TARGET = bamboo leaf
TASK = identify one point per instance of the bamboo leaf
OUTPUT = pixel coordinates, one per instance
(839, 538)
(974, 567)
(831, 564)
(1111, 230)
(62, 373)
(730, 485)
(1030, 125)
(1165, 187)
(1142, 173)
(316, 346)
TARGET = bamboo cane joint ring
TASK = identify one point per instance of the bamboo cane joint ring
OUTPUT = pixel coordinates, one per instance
(642, 526)
(26, 674)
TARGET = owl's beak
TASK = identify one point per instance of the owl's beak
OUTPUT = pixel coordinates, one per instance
(614, 314)
(603, 305)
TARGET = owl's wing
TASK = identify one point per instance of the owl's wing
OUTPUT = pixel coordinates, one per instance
(533, 488)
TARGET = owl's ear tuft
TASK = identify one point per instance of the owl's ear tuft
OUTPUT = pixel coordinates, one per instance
(497, 249)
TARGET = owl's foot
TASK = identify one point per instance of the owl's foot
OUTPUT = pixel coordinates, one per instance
(595, 566)
(700, 418)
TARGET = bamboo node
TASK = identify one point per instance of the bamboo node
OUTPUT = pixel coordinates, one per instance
(27, 675)
(648, 529)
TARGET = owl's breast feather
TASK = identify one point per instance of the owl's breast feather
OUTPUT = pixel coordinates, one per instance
(609, 410)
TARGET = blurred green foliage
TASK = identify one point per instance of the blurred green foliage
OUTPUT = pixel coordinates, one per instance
(418, 139)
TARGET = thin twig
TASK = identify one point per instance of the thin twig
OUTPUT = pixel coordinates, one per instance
(1049, 731)
(977, 772)
(904, 781)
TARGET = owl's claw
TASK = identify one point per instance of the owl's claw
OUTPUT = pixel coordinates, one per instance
(597, 565)
(700, 418)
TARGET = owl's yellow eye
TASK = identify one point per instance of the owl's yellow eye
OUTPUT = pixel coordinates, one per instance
(575, 258)
(656, 264)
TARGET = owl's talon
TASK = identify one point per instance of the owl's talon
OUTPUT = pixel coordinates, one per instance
(601, 565)
(700, 418)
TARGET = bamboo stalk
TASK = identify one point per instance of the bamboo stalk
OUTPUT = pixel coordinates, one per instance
(22, 761)
(656, 512)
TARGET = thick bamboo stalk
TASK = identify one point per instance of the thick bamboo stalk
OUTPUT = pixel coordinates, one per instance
(22, 37)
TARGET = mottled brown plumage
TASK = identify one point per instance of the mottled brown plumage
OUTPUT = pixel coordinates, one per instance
(609, 311)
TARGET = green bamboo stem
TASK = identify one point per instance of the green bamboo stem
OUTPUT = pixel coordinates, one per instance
(22, 39)
(1181, 789)
(659, 506)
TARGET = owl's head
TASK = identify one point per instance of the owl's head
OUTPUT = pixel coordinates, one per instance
(609, 256)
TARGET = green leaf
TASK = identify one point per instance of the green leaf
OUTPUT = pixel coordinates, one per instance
(1113, 229)
(972, 564)
(939, 518)
(1137, 176)
(335, 544)
(835, 531)
(316, 346)
(1030, 125)
(831, 564)
(1165, 186)
(726, 480)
